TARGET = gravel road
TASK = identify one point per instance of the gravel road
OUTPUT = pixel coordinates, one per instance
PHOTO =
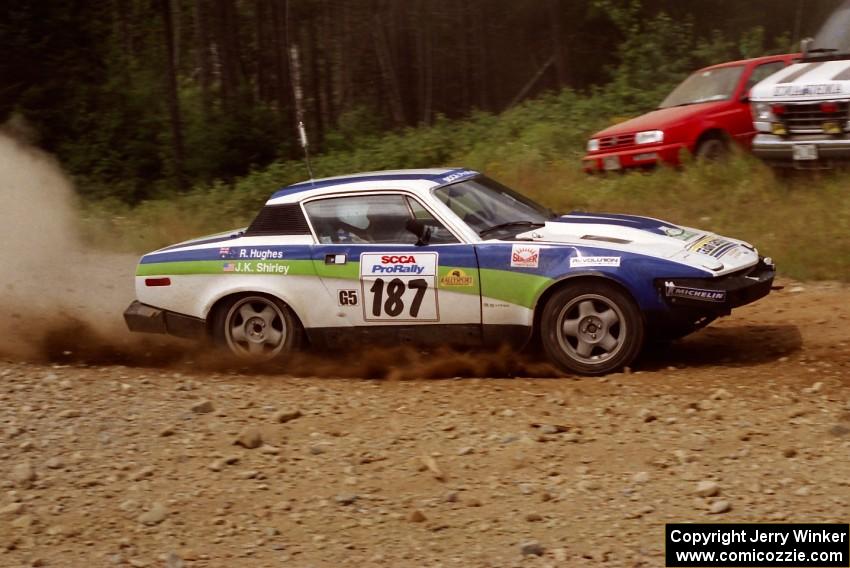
(181, 465)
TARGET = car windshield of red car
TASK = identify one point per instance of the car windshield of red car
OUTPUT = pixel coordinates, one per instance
(705, 86)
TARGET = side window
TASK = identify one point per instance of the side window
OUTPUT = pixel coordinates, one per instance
(379, 219)
(762, 72)
(439, 234)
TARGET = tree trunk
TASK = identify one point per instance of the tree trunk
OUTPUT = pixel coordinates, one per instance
(202, 46)
(172, 96)
(556, 30)
(283, 85)
(393, 92)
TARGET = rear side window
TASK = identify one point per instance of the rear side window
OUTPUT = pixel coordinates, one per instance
(287, 219)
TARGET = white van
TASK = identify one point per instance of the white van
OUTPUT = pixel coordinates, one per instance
(802, 113)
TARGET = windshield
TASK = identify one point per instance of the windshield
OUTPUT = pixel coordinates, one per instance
(705, 86)
(484, 204)
(833, 38)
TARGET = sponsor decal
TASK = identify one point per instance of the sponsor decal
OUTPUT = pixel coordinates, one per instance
(256, 267)
(807, 90)
(347, 297)
(712, 246)
(402, 264)
(673, 291)
(584, 261)
(678, 233)
(523, 256)
(397, 264)
(458, 175)
(399, 286)
(456, 278)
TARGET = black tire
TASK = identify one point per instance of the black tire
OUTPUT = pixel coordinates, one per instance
(591, 328)
(712, 150)
(256, 328)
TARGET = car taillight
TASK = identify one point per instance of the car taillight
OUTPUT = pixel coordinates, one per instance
(829, 107)
(157, 281)
(778, 110)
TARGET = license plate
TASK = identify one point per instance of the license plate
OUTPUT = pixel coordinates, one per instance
(804, 151)
(611, 163)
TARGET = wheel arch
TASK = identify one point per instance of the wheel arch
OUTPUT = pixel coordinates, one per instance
(216, 304)
(570, 280)
(712, 133)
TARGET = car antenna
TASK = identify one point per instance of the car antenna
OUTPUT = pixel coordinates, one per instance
(298, 93)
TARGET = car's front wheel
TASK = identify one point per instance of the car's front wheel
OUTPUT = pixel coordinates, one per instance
(591, 328)
(256, 328)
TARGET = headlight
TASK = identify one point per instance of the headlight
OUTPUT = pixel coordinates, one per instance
(592, 145)
(762, 112)
(649, 137)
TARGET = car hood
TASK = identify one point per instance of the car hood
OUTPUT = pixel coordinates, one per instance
(806, 81)
(659, 119)
(646, 236)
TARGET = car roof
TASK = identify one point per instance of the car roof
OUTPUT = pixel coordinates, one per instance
(755, 60)
(412, 180)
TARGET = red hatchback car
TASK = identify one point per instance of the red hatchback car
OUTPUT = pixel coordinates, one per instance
(703, 114)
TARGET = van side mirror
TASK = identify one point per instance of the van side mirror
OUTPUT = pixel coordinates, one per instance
(805, 45)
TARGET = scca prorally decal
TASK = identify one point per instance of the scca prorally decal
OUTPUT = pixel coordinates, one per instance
(585, 261)
(524, 256)
(674, 291)
(255, 267)
(385, 264)
(250, 253)
(456, 278)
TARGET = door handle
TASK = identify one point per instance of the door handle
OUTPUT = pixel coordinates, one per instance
(335, 259)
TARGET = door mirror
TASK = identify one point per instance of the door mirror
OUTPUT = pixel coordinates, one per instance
(422, 232)
(805, 45)
(745, 99)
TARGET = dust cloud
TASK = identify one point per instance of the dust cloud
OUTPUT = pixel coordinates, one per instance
(51, 286)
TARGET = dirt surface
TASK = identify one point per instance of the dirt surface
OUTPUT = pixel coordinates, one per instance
(105, 465)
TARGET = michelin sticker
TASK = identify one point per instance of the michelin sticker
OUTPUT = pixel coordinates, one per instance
(686, 293)
(586, 261)
(524, 256)
(399, 286)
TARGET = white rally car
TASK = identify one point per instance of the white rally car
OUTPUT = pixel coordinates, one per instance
(447, 256)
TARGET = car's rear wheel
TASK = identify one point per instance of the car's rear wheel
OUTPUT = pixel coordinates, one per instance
(256, 328)
(591, 328)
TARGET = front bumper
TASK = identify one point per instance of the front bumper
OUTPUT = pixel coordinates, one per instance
(694, 303)
(143, 318)
(719, 295)
(632, 157)
(779, 150)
